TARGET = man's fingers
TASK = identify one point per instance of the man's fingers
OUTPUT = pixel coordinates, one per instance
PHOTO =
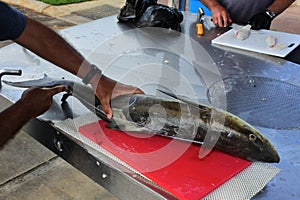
(225, 20)
(220, 21)
(138, 91)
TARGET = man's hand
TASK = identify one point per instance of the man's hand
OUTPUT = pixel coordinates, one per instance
(107, 88)
(220, 16)
(38, 100)
(34, 101)
(260, 21)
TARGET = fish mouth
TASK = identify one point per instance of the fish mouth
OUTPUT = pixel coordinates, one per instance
(268, 154)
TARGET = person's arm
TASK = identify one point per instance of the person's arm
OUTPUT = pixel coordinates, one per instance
(220, 16)
(278, 6)
(13, 118)
(49, 45)
(262, 20)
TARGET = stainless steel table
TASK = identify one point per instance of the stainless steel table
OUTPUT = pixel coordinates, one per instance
(185, 64)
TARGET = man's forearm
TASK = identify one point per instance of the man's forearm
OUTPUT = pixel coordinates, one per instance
(278, 6)
(33, 102)
(49, 45)
(11, 120)
(210, 3)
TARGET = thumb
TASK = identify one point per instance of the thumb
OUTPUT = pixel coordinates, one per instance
(107, 109)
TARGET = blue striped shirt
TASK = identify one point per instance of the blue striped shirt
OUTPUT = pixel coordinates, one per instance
(241, 11)
(12, 22)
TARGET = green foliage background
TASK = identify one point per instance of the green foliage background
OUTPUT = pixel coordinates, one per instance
(61, 2)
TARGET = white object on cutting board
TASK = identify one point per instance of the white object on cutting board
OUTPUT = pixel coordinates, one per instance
(256, 41)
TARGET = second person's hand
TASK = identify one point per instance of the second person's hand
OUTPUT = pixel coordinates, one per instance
(220, 16)
(38, 100)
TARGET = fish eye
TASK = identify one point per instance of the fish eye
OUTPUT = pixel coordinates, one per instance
(252, 137)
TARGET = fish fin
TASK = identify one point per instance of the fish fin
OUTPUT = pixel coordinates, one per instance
(181, 98)
(45, 81)
(204, 109)
(168, 93)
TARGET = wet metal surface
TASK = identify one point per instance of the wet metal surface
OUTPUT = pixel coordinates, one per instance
(261, 101)
(187, 65)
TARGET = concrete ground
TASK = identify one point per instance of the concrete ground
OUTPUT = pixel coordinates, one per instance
(29, 171)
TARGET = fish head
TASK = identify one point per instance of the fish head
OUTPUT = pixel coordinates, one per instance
(258, 147)
(247, 142)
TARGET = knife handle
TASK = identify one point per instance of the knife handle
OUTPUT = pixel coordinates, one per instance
(9, 72)
(200, 29)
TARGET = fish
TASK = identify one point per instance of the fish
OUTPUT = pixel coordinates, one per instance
(271, 42)
(242, 33)
(176, 117)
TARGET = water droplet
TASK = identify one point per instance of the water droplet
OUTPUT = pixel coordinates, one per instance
(264, 99)
(104, 176)
(251, 81)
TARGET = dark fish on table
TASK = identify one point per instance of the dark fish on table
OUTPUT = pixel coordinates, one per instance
(177, 118)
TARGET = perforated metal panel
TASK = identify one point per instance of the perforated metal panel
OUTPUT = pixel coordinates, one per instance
(245, 184)
(260, 101)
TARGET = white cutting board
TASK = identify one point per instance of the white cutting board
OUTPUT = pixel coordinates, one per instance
(256, 41)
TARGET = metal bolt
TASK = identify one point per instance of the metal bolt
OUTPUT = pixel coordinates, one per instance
(58, 144)
(104, 176)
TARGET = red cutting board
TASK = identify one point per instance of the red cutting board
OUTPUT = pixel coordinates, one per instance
(174, 165)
